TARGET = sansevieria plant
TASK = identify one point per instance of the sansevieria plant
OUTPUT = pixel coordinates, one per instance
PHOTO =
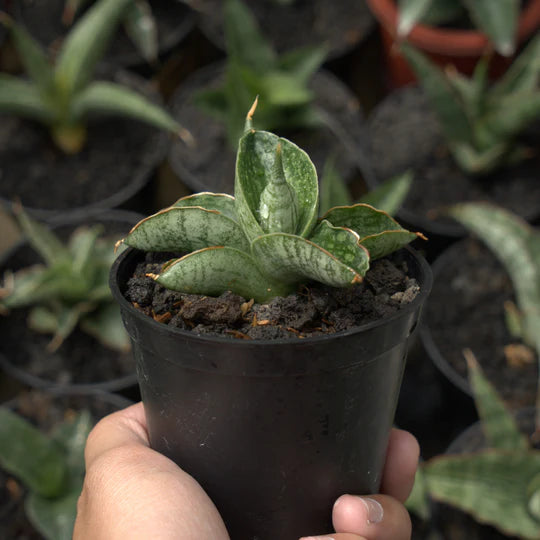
(63, 95)
(267, 239)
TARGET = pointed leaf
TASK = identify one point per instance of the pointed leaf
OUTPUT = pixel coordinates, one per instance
(410, 13)
(515, 243)
(283, 90)
(68, 318)
(54, 518)
(378, 232)
(141, 28)
(106, 326)
(221, 202)
(293, 259)
(23, 99)
(42, 470)
(498, 424)
(255, 159)
(491, 485)
(303, 62)
(43, 320)
(213, 271)
(86, 43)
(82, 245)
(186, 229)
(333, 189)
(389, 196)
(116, 99)
(498, 20)
(441, 95)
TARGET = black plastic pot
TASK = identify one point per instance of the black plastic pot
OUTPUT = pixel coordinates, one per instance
(274, 431)
(22, 255)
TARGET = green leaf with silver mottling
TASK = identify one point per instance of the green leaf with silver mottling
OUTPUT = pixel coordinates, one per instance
(491, 485)
(42, 470)
(221, 202)
(186, 229)
(498, 424)
(255, 159)
(382, 244)
(293, 259)
(212, 271)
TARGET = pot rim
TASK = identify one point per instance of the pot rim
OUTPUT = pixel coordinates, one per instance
(425, 280)
(451, 41)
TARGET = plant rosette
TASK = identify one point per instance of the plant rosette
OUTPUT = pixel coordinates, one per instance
(445, 45)
(404, 134)
(466, 309)
(171, 22)
(211, 166)
(80, 362)
(114, 168)
(34, 461)
(276, 427)
(340, 25)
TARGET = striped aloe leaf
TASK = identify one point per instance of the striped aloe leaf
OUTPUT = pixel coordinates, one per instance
(267, 239)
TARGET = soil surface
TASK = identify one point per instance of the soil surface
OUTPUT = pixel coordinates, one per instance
(313, 311)
(465, 310)
(44, 21)
(80, 359)
(119, 155)
(46, 412)
(405, 134)
(211, 167)
(341, 25)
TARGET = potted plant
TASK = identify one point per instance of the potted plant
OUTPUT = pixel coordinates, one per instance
(42, 460)
(308, 106)
(463, 138)
(433, 26)
(62, 97)
(275, 402)
(148, 29)
(60, 324)
(490, 472)
(501, 282)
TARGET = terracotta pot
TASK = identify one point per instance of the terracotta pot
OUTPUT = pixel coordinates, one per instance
(462, 48)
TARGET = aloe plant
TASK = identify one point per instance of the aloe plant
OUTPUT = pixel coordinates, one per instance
(254, 69)
(138, 22)
(63, 95)
(498, 485)
(267, 239)
(51, 469)
(481, 122)
(498, 20)
(70, 289)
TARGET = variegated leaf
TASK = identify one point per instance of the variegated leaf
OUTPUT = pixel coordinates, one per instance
(186, 229)
(212, 271)
(221, 202)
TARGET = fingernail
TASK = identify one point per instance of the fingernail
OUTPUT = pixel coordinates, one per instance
(317, 538)
(374, 509)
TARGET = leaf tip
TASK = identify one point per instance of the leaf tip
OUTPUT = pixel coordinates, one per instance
(118, 243)
(153, 276)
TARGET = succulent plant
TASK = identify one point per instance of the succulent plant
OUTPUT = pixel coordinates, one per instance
(63, 95)
(498, 485)
(51, 469)
(267, 239)
(498, 20)
(70, 289)
(138, 22)
(254, 69)
(481, 122)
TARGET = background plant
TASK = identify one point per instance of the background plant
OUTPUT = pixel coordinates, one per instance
(70, 289)
(498, 20)
(498, 485)
(267, 239)
(51, 469)
(481, 122)
(138, 21)
(254, 69)
(63, 95)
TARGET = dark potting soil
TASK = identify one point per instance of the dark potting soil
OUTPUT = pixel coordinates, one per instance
(339, 25)
(44, 21)
(314, 310)
(465, 310)
(211, 166)
(405, 134)
(118, 152)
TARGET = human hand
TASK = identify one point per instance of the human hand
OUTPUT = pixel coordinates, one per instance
(129, 489)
